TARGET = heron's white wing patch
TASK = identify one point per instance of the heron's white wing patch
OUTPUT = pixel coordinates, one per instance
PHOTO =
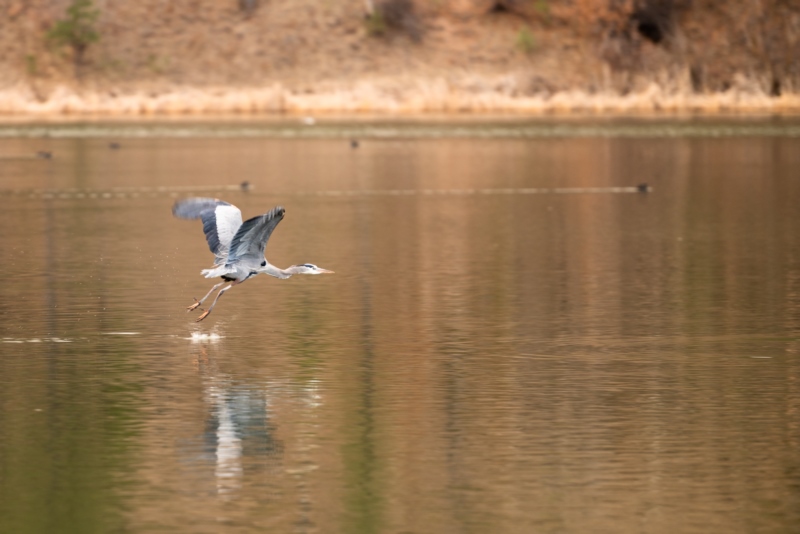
(229, 219)
(220, 219)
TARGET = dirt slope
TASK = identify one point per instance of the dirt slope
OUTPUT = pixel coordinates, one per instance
(399, 55)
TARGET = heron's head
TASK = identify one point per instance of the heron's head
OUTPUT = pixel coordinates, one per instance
(308, 268)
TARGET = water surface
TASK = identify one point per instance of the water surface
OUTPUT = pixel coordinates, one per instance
(507, 344)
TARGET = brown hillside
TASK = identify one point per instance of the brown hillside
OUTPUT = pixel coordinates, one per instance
(335, 52)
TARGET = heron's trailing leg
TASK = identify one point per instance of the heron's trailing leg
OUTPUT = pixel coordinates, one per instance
(221, 291)
(199, 302)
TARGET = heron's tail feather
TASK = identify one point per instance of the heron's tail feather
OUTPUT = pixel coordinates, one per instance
(216, 271)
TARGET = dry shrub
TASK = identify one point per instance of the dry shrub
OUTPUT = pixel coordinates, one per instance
(755, 40)
(528, 10)
(248, 7)
(589, 18)
(624, 31)
(395, 15)
(654, 20)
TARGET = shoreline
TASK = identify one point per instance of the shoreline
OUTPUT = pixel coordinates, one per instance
(385, 98)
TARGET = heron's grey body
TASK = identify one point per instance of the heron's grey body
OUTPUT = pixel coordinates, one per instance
(238, 247)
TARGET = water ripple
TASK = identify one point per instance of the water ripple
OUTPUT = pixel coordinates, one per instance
(411, 130)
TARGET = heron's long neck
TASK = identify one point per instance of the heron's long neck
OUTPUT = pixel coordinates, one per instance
(277, 272)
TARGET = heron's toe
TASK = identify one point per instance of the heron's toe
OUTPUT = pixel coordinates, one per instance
(203, 316)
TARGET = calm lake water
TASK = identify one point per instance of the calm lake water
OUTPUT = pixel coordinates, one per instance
(501, 349)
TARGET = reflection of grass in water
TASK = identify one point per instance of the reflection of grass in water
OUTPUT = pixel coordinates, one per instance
(362, 498)
(77, 439)
(305, 345)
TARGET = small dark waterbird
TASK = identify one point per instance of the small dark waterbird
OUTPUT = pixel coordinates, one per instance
(238, 246)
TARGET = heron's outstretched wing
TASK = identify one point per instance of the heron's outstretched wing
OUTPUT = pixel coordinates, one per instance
(251, 238)
(220, 220)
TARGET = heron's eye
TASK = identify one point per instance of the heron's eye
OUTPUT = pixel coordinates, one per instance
(264, 263)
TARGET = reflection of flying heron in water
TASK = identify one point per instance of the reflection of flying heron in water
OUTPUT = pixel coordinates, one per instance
(238, 426)
(238, 246)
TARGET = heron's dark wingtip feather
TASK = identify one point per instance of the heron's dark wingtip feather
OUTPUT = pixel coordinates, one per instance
(253, 234)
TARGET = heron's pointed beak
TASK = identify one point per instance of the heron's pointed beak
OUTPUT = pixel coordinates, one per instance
(324, 270)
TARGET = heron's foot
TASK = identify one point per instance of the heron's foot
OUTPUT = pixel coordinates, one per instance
(203, 316)
(193, 306)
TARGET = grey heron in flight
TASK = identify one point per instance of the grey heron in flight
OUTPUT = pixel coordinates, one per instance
(238, 246)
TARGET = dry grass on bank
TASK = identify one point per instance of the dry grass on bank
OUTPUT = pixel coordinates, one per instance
(387, 97)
